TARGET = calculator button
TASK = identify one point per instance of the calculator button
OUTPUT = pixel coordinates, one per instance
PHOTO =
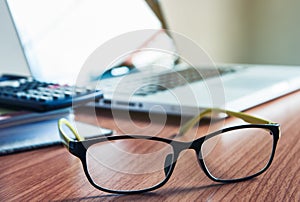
(58, 96)
(33, 97)
(69, 93)
(45, 98)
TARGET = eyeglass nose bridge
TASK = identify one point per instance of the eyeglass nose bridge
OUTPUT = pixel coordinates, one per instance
(183, 146)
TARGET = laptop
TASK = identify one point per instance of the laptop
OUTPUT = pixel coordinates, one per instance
(236, 86)
(164, 72)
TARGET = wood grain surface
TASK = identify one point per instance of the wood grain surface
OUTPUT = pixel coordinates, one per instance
(53, 174)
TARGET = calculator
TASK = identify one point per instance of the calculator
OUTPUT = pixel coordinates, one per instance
(27, 93)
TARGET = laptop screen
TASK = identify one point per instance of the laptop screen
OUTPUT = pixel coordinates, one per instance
(57, 36)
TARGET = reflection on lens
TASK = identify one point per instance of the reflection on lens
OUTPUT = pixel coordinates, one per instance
(129, 164)
(237, 154)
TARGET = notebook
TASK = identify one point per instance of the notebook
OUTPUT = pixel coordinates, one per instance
(17, 136)
(58, 38)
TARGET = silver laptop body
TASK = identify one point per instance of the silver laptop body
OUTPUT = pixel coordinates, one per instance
(245, 86)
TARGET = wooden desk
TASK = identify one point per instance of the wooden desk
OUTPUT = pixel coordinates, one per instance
(54, 174)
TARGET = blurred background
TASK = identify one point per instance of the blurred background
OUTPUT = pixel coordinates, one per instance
(240, 31)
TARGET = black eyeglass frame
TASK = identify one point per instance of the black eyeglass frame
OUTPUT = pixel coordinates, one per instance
(79, 149)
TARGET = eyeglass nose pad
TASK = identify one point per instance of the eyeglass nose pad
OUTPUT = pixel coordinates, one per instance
(168, 163)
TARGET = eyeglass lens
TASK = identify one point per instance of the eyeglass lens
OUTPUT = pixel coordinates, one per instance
(135, 164)
(237, 154)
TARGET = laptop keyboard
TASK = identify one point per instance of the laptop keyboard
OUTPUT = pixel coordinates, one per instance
(148, 83)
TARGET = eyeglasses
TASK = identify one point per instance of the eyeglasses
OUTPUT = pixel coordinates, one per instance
(135, 163)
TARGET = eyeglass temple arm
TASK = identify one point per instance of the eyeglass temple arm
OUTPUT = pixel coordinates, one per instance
(246, 117)
(65, 138)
